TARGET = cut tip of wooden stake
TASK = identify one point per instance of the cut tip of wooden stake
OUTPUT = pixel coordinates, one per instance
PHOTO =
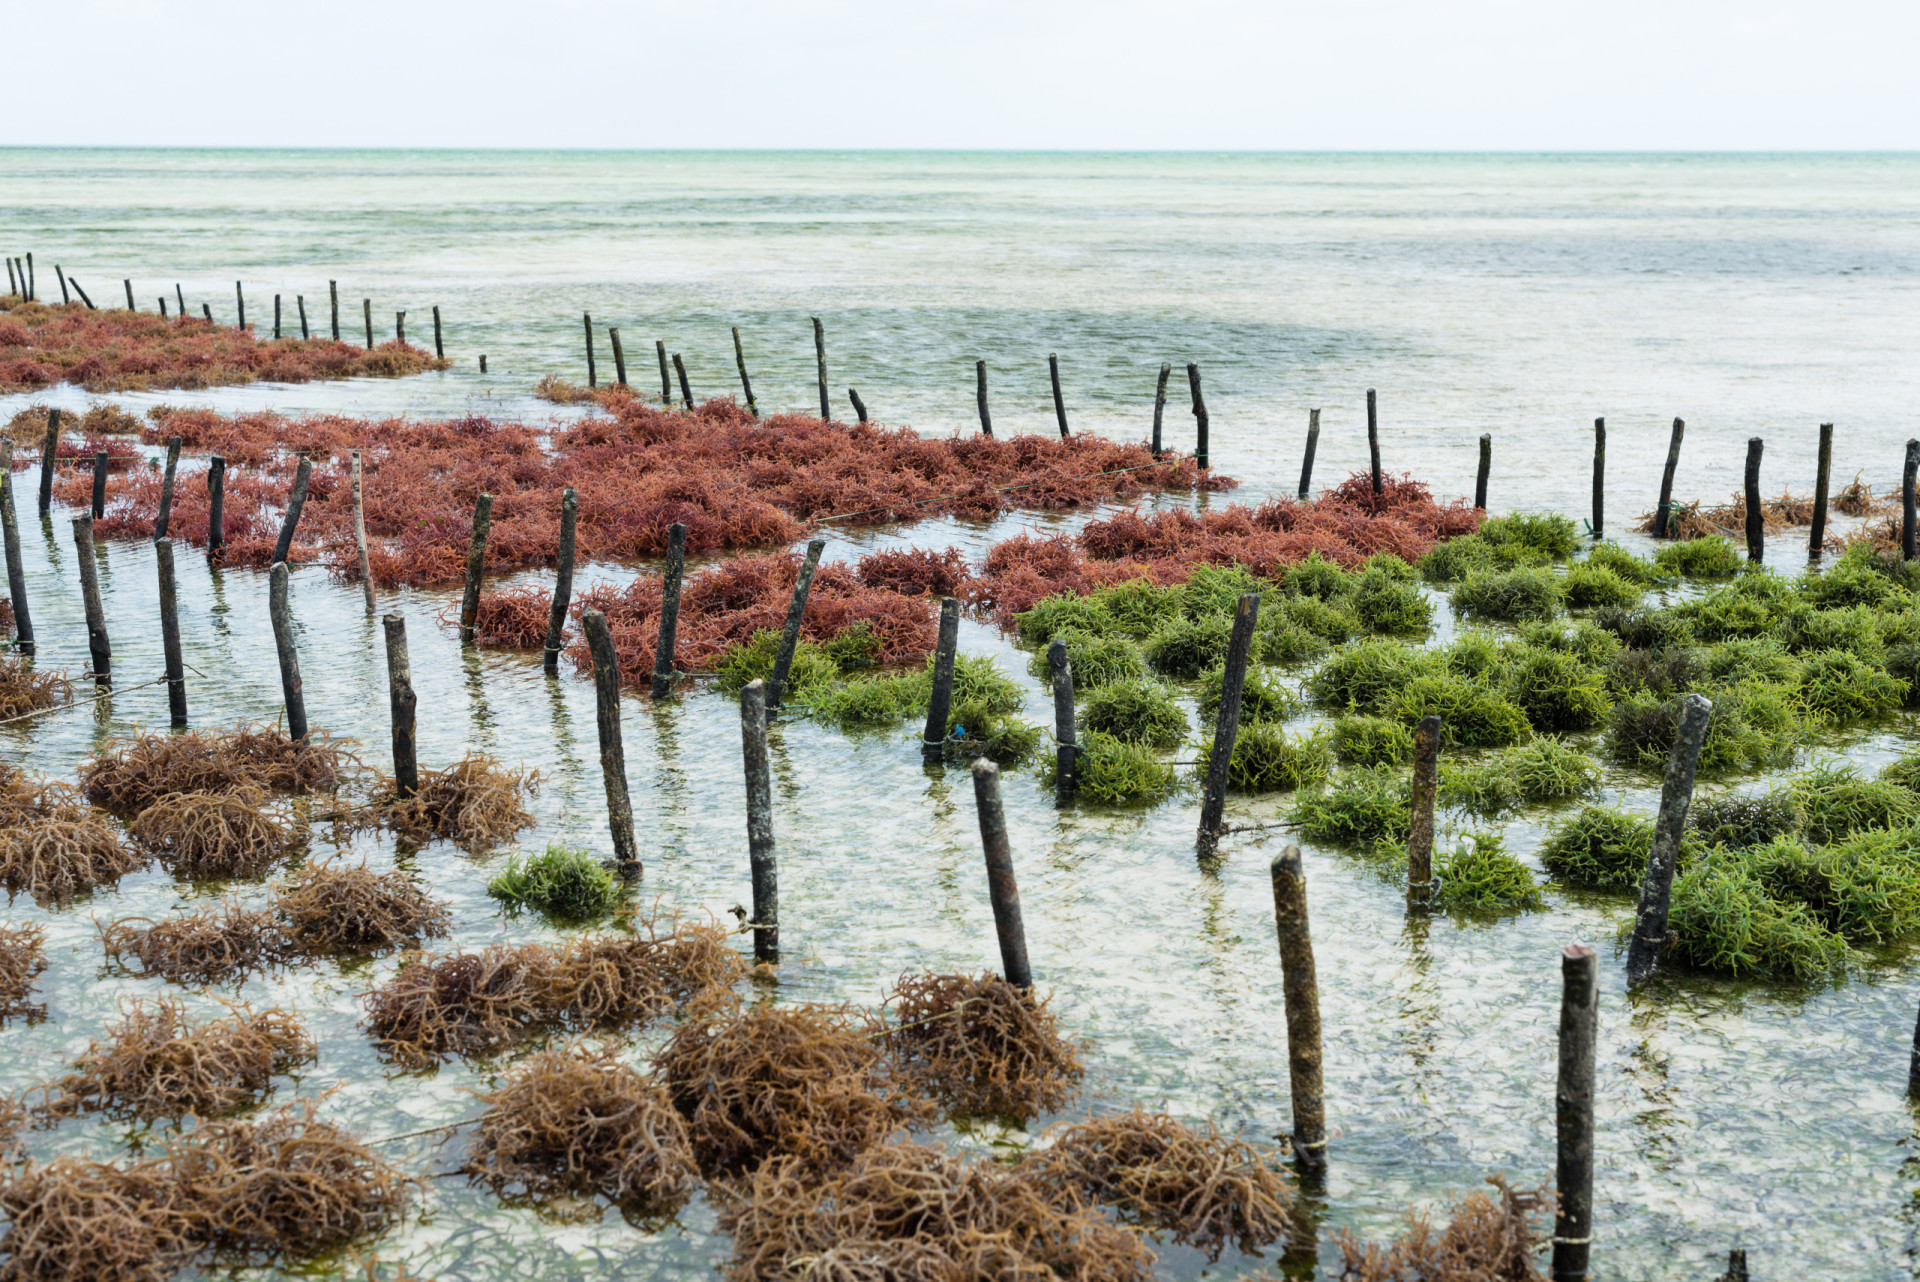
(1577, 952)
(1288, 861)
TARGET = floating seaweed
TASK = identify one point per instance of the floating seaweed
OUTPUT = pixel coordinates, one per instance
(25, 688)
(1485, 1238)
(476, 802)
(222, 834)
(22, 958)
(214, 944)
(980, 1046)
(53, 846)
(128, 775)
(330, 909)
(74, 1218)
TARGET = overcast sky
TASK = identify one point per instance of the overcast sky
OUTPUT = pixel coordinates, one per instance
(1211, 74)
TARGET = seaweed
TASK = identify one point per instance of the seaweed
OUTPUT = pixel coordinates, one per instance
(1644, 629)
(1095, 660)
(980, 1046)
(1737, 821)
(128, 775)
(476, 802)
(1114, 771)
(1485, 1239)
(1590, 585)
(1546, 533)
(1265, 759)
(1360, 740)
(1624, 564)
(1707, 557)
(214, 944)
(56, 849)
(1370, 675)
(1554, 689)
(25, 688)
(560, 881)
(330, 909)
(464, 1004)
(975, 730)
(1511, 595)
(1723, 919)
(1188, 647)
(75, 1218)
(753, 660)
(1839, 688)
(1262, 697)
(1472, 714)
(1140, 711)
(22, 958)
(154, 1063)
(1600, 848)
(223, 834)
(1390, 606)
(1368, 808)
(1836, 801)
(1544, 770)
(1476, 874)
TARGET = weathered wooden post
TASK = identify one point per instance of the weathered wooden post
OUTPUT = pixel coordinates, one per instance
(1665, 508)
(1756, 531)
(663, 649)
(333, 289)
(1160, 404)
(276, 316)
(1002, 890)
(16, 571)
(746, 384)
(360, 531)
(1200, 455)
(163, 519)
(163, 307)
(1301, 989)
(686, 392)
(619, 356)
(859, 406)
(83, 294)
(98, 648)
(476, 566)
(47, 457)
(1373, 438)
(128, 282)
(980, 394)
(1676, 794)
(1226, 726)
(401, 701)
(820, 357)
(216, 505)
(1913, 1064)
(240, 305)
(1817, 532)
(176, 668)
(796, 611)
(933, 740)
(206, 312)
(483, 362)
(1066, 740)
(366, 311)
(300, 305)
(1906, 499)
(586, 320)
(1306, 459)
(1059, 405)
(1599, 476)
(439, 348)
(302, 478)
(1573, 1113)
(1486, 466)
(400, 328)
(562, 582)
(282, 615)
(1426, 784)
(100, 461)
(761, 860)
(666, 379)
(613, 756)
(62, 277)
(180, 296)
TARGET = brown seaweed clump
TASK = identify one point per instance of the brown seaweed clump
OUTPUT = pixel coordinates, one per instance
(131, 774)
(575, 1120)
(25, 688)
(476, 802)
(213, 944)
(462, 1004)
(212, 834)
(286, 1184)
(981, 1046)
(22, 958)
(53, 846)
(1488, 1240)
(357, 910)
(73, 1218)
(797, 1081)
(913, 1211)
(156, 1064)
(1196, 1186)
(607, 981)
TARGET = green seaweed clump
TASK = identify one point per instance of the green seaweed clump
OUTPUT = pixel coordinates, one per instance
(1065, 611)
(1113, 771)
(1542, 771)
(1188, 647)
(1361, 740)
(1265, 759)
(1472, 714)
(1736, 821)
(1369, 808)
(1601, 848)
(1545, 533)
(1838, 802)
(1708, 557)
(1094, 659)
(1370, 675)
(1589, 585)
(1388, 605)
(1262, 697)
(744, 662)
(1511, 596)
(1724, 920)
(975, 729)
(1554, 689)
(1838, 688)
(880, 700)
(561, 882)
(1140, 711)
(1478, 875)
(1624, 564)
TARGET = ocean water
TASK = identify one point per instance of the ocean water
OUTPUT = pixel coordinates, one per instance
(1512, 295)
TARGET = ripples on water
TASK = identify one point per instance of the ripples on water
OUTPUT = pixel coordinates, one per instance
(1518, 296)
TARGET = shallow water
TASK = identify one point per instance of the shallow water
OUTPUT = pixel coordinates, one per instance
(1750, 294)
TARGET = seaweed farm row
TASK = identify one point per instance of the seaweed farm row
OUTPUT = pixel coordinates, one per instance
(249, 901)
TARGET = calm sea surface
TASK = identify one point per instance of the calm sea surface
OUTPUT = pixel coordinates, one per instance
(1517, 296)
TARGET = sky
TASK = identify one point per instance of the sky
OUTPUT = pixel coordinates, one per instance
(1070, 74)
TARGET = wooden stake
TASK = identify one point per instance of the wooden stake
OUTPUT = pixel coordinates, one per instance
(933, 740)
(1160, 404)
(1913, 1064)
(796, 611)
(613, 757)
(686, 392)
(664, 647)
(16, 572)
(400, 327)
(1426, 783)
(48, 455)
(216, 505)
(476, 566)
(1573, 1113)
(366, 315)
(1817, 533)
(1001, 887)
(980, 378)
(206, 312)
(333, 290)
(163, 307)
(1306, 460)
(1199, 416)
(619, 356)
(439, 348)
(240, 305)
(1599, 476)
(666, 379)
(1373, 438)
(360, 530)
(483, 362)
(760, 852)
(1665, 508)
(83, 294)
(1301, 987)
(746, 385)
(820, 358)
(61, 276)
(1226, 726)
(180, 296)
(1906, 499)
(98, 647)
(587, 320)
(302, 478)
(562, 582)
(1676, 793)
(300, 302)
(170, 636)
(1067, 743)
(1486, 465)
(1756, 544)
(99, 484)
(400, 698)
(1059, 405)
(276, 318)
(859, 406)
(281, 613)
(33, 284)
(129, 284)
(165, 516)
